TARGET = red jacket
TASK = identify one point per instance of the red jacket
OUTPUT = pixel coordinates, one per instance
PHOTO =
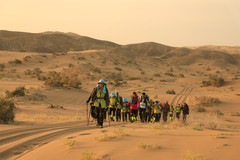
(135, 104)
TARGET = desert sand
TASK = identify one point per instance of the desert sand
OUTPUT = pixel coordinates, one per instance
(61, 133)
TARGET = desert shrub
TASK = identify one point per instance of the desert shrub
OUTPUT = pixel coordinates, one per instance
(214, 80)
(163, 80)
(235, 78)
(95, 69)
(191, 156)
(70, 65)
(142, 72)
(208, 69)
(218, 72)
(200, 108)
(157, 75)
(197, 128)
(37, 71)
(218, 112)
(133, 78)
(207, 100)
(169, 74)
(170, 91)
(193, 74)
(7, 110)
(28, 72)
(211, 125)
(118, 69)
(26, 58)
(19, 91)
(16, 61)
(236, 114)
(2, 66)
(181, 75)
(81, 58)
(148, 146)
(57, 79)
(88, 155)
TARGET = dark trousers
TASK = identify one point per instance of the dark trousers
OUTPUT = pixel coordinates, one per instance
(134, 114)
(184, 118)
(128, 113)
(142, 112)
(124, 116)
(118, 117)
(178, 115)
(112, 113)
(156, 116)
(99, 115)
(147, 117)
(165, 115)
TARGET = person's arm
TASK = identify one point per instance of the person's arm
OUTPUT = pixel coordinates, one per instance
(91, 95)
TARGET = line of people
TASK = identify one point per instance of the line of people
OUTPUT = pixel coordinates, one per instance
(117, 108)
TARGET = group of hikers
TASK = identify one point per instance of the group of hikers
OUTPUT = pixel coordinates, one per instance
(117, 108)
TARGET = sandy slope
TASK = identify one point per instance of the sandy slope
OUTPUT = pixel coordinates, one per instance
(38, 125)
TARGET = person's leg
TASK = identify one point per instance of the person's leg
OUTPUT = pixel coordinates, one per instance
(144, 115)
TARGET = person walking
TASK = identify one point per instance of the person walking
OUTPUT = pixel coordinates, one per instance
(143, 105)
(100, 99)
(165, 111)
(171, 110)
(119, 107)
(124, 110)
(112, 106)
(185, 111)
(134, 105)
(178, 111)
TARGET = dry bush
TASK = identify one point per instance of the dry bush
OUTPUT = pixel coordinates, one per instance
(19, 91)
(7, 110)
(148, 146)
(81, 58)
(118, 69)
(207, 100)
(26, 58)
(28, 72)
(199, 108)
(16, 61)
(157, 75)
(181, 76)
(2, 66)
(88, 155)
(191, 156)
(235, 114)
(67, 79)
(171, 91)
(214, 80)
(218, 112)
(169, 74)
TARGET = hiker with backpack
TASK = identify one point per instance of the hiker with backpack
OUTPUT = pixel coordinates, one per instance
(134, 105)
(119, 107)
(185, 111)
(124, 110)
(112, 106)
(149, 111)
(100, 99)
(92, 108)
(171, 110)
(143, 105)
(178, 111)
(165, 111)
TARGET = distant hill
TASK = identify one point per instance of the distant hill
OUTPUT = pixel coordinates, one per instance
(52, 42)
(49, 42)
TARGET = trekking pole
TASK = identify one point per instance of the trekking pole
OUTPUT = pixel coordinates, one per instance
(88, 115)
(108, 116)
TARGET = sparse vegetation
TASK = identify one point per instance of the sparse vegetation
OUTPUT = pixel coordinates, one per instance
(19, 91)
(211, 125)
(191, 156)
(236, 114)
(88, 155)
(2, 66)
(157, 75)
(214, 80)
(207, 100)
(7, 110)
(181, 76)
(70, 142)
(68, 79)
(218, 112)
(81, 58)
(118, 69)
(148, 146)
(170, 91)
(169, 74)
(105, 137)
(200, 108)
(16, 61)
(197, 128)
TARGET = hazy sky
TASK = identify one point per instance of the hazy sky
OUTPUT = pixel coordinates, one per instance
(170, 22)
